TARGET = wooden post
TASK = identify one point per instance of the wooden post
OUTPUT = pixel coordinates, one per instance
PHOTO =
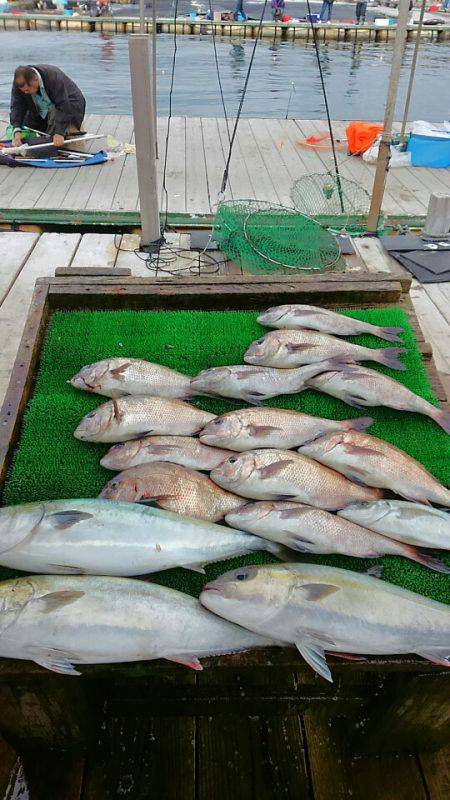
(385, 144)
(142, 16)
(437, 225)
(144, 131)
(413, 68)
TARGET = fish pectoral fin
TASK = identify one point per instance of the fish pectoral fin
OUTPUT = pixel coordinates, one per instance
(62, 520)
(53, 659)
(55, 600)
(298, 348)
(358, 450)
(314, 655)
(195, 568)
(262, 430)
(440, 655)
(187, 661)
(66, 569)
(354, 401)
(273, 469)
(317, 591)
(298, 543)
(118, 372)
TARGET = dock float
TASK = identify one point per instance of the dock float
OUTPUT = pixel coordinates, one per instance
(338, 31)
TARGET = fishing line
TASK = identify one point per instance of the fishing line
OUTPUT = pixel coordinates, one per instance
(169, 119)
(325, 98)
(241, 103)
(219, 79)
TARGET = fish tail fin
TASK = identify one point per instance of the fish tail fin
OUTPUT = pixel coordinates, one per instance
(428, 561)
(358, 424)
(391, 334)
(437, 655)
(442, 417)
(278, 550)
(390, 357)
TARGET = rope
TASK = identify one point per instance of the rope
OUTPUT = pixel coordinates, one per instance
(241, 103)
(216, 59)
(325, 98)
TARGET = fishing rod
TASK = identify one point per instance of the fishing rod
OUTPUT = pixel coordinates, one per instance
(25, 148)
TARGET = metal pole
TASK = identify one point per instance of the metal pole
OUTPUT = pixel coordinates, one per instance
(413, 68)
(385, 144)
(144, 133)
(142, 16)
(155, 104)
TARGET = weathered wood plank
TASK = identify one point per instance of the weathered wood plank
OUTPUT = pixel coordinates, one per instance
(436, 772)
(86, 178)
(96, 250)
(14, 250)
(196, 177)
(105, 188)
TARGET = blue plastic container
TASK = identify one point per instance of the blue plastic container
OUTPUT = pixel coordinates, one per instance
(429, 151)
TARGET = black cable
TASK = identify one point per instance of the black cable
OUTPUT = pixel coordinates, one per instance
(169, 119)
(219, 80)
(241, 103)
(324, 92)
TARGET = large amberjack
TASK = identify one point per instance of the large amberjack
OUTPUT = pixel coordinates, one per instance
(327, 609)
(59, 621)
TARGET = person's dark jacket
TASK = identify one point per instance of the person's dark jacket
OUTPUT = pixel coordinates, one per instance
(63, 93)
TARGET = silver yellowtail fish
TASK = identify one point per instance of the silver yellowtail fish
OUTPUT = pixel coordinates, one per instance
(184, 450)
(62, 621)
(373, 462)
(312, 530)
(359, 387)
(284, 475)
(291, 348)
(325, 320)
(327, 609)
(130, 417)
(249, 428)
(255, 384)
(174, 488)
(100, 537)
(422, 526)
(115, 377)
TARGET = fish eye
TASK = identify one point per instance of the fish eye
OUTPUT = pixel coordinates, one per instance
(216, 422)
(242, 576)
(232, 460)
(259, 341)
(92, 414)
(118, 446)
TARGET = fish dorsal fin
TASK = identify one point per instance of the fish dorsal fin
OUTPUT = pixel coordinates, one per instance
(56, 600)
(273, 469)
(317, 591)
(314, 655)
(53, 659)
(195, 568)
(62, 520)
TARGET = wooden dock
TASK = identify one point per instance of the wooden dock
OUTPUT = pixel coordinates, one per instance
(300, 31)
(266, 160)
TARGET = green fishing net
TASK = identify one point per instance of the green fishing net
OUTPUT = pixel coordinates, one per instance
(339, 204)
(262, 237)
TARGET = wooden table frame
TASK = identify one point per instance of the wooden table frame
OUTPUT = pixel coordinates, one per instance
(404, 697)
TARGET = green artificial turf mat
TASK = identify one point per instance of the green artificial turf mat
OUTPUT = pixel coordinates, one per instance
(50, 463)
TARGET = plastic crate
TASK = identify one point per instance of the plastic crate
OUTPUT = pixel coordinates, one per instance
(429, 151)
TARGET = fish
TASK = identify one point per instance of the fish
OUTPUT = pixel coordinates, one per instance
(61, 621)
(101, 537)
(359, 387)
(173, 488)
(116, 377)
(250, 428)
(313, 530)
(321, 608)
(255, 384)
(422, 526)
(325, 320)
(291, 348)
(371, 461)
(184, 450)
(131, 417)
(285, 475)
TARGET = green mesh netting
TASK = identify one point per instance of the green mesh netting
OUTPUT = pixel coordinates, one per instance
(262, 237)
(327, 196)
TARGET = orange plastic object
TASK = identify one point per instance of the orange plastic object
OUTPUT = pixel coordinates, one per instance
(360, 135)
(321, 143)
